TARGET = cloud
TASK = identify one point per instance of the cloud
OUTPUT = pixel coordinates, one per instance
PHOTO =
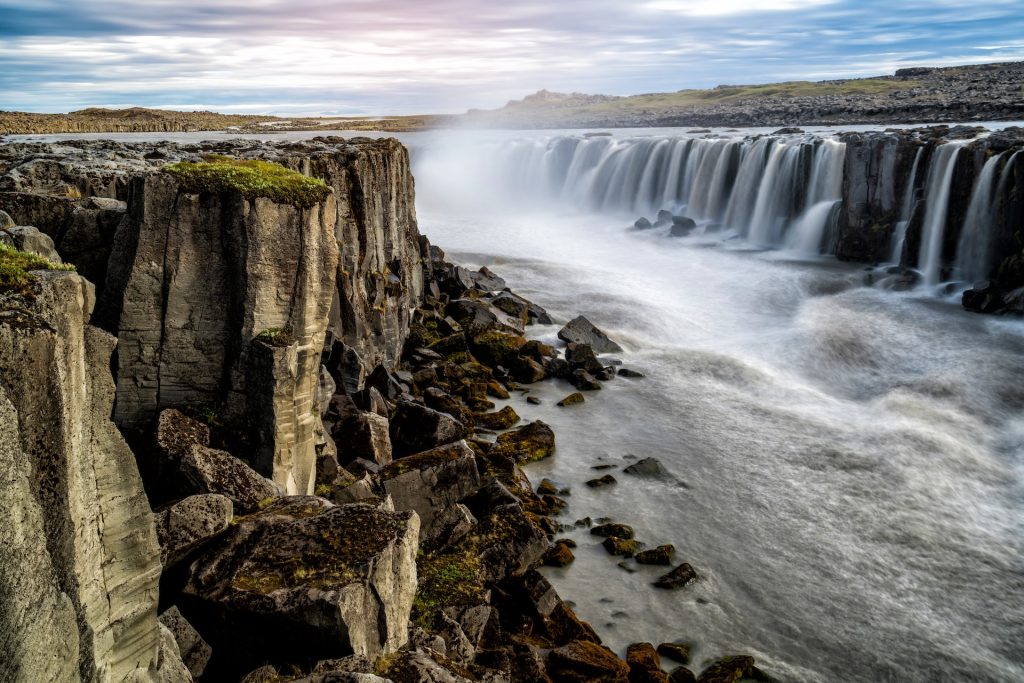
(360, 56)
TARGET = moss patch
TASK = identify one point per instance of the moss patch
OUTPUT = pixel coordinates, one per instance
(446, 581)
(276, 336)
(16, 267)
(252, 178)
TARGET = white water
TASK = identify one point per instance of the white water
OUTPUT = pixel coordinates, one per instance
(940, 177)
(852, 458)
(899, 236)
(972, 254)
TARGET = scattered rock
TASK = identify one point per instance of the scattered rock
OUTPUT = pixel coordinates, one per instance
(644, 664)
(533, 400)
(727, 669)
(586, 662)
(679, 577)
(642, 224)
(647, 467)
(678, 651)
(626, 372)
(529, 443)
(572, 399)
(659, 555)
(581, 379)
(682, 226)
(613, 529)
(558, 555)
(582, 331)
(606, 480)
(622, 546)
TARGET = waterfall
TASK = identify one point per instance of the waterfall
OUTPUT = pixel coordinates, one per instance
(899, 235)
(972, 254)
(940, 177)
(823, 196)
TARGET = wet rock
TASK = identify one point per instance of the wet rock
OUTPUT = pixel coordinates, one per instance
(586, 662)
(605, 374)
(985, 298)
(621, 546)
(572, 399)
(650, 468)
(626, 372)
(643, 224)
(503, 419)
(495, 389)
(431, 481)
(679, 577)
(547, 487)
(644, 664)
(678, 651)
(682, 226)
(495, 347)
(529, 443)
(613, 529)
(187, 524)
(659, 555)
(526, 370)
(416, 428)
(582, 356)
(533, 400)
(304, 579)
(582, 331)
(539, 351)
(194, 651)
(601, 482)
(727, 670)
(681, 674)
(583, 380)
(558, 555)
(207, 470)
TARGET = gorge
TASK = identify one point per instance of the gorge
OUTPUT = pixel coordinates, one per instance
(842, 459)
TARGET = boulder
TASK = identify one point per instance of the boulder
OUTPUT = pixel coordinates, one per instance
(727, 669)
(650, 468)
(529, 443)
(583, 380)
(586, 662)
(174, 437)
(169, 667)
(642, 224)
(622, 547)
(613, 529)
(659, 555)
(507, 542)
(559, 555)
(195, 652)
(431, 481)
(681, 226)
(572, 399)
(450, 526)
(503, 419)
(681, 674)
(678, 651)
(416, 428)
(496, 347)
(626, 372)
(422, 666)
(679, 577)
(582, 356)
(187, 524)
(31, 240)
(305, 579)
(601, 482)
(6, 222)
(208, 470)
(582, 331)
(644, 664)
(363, 435)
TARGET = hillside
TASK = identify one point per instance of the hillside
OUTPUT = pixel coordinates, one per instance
(917, 95)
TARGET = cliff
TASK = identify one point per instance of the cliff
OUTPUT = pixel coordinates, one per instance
(78, 582)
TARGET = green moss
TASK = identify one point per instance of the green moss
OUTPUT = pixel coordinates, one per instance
(252, 178)
(16, 267)
(276, 336)
(446, 581)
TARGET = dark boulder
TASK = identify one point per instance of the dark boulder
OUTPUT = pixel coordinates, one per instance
(659, 555)
(572, 399)
(586, 662)
(583, 380)
(679, 577)
(559, 555)
(650, 468)
(582, 331)
(677, 651)
(727, 670)
(613, 529)
(601, 482)
(644, 664)
(416, 428)
(184, 526)
(642, 224)
(621, 546)
(582, 356)
(682, 226)
(207, 470)
(503, 419)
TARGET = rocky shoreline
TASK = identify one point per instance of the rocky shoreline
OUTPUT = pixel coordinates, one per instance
(313, 482)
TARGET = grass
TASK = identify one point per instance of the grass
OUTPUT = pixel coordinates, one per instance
(276, 336)
(252, 178)
(16, 267)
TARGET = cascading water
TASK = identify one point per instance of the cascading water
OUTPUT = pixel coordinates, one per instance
(940, 178)
(899, 235)
(972, 254)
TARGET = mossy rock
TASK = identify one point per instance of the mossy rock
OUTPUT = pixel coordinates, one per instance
(16, 270)
(503, 419)
(572, 399)
(622, 547)
(251, 178)
(678, 651)
(278, 337)
(586, 661)
(496, 347)
(446, 581)
(661, 555)
(529, 443)
(559, 555)
(613, 529)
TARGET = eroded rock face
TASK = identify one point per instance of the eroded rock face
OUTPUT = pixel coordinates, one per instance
(224, 300)
(304, 579)
(79, 597)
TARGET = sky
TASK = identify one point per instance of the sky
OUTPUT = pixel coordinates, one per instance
(360, 57)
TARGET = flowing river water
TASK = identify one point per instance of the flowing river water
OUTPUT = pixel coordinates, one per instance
(846, 462)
